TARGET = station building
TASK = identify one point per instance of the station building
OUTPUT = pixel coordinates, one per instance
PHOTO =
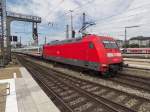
(140, 41)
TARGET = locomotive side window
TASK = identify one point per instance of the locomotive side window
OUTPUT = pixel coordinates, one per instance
(91, 45)
(110, 44)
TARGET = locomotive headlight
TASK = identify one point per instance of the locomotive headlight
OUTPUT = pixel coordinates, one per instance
(110, 55)
(119, 54)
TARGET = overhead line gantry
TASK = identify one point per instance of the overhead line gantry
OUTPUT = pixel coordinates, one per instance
(6, 18)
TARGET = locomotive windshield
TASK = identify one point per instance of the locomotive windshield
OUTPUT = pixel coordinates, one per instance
(110, 44)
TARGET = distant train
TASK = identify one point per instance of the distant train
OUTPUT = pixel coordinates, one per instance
(93, 52)
(136, 50)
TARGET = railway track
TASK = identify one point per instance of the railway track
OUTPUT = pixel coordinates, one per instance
(136, 82)
(132, 67)
(133, 81)
(83, 96)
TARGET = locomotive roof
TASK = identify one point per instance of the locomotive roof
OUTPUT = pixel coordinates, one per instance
(55, 42)
(65, 41)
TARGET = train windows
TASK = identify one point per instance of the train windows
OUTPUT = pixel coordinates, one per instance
(91, 45)
(110, 44)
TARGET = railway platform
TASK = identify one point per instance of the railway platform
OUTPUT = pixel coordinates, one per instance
(138, 63)
(23, 94)
(137, 60)
(142, 56)
(138, 66)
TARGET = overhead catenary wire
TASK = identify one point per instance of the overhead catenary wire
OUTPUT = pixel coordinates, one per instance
(122, 27)
(117, 33)
(123, 17)
(54, 8)
(107, 18)
(110, 17)
(114, 14)
(77, 8)
(84, 6)
(110, 24)
(66, 12)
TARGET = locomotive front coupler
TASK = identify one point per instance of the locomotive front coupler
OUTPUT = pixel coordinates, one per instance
(114, 68)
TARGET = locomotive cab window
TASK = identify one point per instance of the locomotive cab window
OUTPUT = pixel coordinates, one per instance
(91, 45)
(110, 44)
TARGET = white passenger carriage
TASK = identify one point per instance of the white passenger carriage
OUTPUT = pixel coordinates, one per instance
(31, 50)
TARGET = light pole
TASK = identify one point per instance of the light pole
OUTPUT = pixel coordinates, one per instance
(71, 23)
(67, 31)
(45, 40)
(125, 41)
(83, 24)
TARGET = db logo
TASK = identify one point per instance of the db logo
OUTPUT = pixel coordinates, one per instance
(58, 52)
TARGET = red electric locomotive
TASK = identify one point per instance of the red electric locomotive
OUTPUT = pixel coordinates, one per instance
(94, 52)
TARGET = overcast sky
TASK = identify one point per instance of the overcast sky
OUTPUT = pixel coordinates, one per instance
(110, 16)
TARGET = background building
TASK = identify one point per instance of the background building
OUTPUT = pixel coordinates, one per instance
(139, 41)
